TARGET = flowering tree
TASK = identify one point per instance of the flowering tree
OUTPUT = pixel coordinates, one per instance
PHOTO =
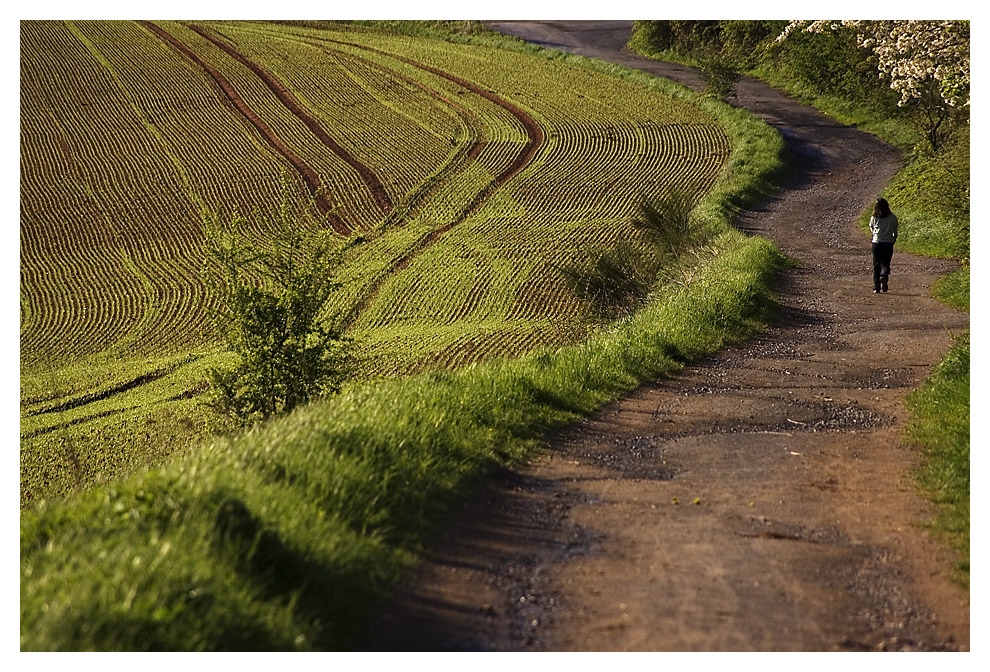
(927, 62)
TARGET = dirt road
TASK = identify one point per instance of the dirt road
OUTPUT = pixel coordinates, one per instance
(758, 502)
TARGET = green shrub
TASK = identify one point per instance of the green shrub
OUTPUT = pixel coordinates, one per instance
(719, 74)
(270, 309)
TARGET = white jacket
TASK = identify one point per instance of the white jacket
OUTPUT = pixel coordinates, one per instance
(884, 229)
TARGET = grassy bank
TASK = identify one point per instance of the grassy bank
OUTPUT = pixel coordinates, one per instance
(289, 536)
(931, 198)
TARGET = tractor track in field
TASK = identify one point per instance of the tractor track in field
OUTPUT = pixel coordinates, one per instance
(308, 175)
(528, 151)
(463, 155)
(761, 500)
(284, 96)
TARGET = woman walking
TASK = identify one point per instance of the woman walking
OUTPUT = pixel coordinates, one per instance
(883, 224)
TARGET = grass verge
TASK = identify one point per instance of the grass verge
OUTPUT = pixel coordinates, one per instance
(288, 537)
(940, 425)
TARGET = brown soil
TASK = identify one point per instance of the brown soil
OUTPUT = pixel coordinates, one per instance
(760, 501)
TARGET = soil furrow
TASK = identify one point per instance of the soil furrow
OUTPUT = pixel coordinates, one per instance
(463, 155)
(535, 140)
(284, 96)
(104, 394)
(308, 175)
(778, 517)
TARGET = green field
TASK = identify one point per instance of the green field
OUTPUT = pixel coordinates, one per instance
(461, 173)
(464, 170)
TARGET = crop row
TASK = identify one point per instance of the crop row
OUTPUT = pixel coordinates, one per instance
(287, 98)
(272, 130)
(459, 148)
(378, 111)
(367, 131)
(519, 242)
(494, 130)
(489, 341)
(124, 181)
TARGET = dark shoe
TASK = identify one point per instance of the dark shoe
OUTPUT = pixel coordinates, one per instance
(876, 291)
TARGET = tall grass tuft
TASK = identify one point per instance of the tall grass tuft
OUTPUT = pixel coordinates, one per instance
(614, 281)
(666, 222)
(617, 280)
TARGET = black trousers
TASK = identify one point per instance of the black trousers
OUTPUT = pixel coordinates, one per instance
(882, 252)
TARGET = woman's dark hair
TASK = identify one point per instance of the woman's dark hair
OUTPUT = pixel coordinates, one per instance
(881, 209)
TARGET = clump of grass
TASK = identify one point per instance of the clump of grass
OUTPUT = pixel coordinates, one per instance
(614, 281)
(953, 288)
(667, 223)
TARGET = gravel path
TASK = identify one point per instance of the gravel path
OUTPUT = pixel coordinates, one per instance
(760, 501)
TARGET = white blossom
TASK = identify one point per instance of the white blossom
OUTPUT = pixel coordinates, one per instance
(911, 54)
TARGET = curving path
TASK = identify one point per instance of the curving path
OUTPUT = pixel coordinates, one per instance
(758, 501)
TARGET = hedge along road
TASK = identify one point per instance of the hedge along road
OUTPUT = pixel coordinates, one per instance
(761, 500)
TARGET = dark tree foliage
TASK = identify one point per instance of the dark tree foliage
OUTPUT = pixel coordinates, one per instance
(828, 63)
(741, 42)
